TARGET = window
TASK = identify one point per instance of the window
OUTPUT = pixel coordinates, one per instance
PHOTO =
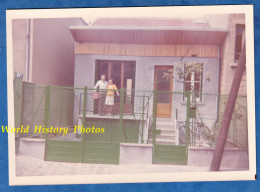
(123, 75)
(193, 78)
(240, 31)
(121, 72)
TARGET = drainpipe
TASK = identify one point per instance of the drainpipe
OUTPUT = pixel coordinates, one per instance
(219, 81)
(28, 51)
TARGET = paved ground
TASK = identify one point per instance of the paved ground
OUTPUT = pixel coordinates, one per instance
(29, 166)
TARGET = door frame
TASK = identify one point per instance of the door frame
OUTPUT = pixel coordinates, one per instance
(171, 89)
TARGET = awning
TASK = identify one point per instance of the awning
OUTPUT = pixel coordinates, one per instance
(149, 35)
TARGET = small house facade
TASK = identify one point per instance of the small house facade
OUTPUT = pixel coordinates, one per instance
(137, 52)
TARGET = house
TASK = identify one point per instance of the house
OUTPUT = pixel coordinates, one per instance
(136, 52)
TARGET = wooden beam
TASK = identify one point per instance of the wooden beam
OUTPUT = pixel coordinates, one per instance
(177, 50)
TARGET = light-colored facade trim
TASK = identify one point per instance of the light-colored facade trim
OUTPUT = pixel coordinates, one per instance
(176, 50)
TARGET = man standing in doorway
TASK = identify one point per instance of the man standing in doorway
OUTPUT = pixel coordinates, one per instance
(102, 85)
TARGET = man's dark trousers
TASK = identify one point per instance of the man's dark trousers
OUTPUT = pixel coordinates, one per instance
(101, 102)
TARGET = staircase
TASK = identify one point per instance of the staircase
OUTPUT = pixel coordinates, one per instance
(167, 135)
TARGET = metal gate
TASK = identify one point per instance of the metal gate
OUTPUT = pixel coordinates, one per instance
(58, 114)
(170, 141)
(79, 144)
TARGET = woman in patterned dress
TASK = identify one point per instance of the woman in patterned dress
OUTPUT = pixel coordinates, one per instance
(110, 96)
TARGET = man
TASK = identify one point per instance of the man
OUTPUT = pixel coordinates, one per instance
(102, 85)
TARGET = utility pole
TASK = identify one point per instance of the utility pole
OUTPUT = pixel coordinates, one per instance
(225, 123)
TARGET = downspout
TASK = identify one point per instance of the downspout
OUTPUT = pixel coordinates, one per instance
(28, 51)
(219, 81)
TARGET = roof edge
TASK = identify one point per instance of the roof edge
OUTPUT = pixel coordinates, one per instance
(174, 28)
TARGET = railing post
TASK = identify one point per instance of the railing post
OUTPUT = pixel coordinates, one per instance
(84, 112)
(154, 115)
(120, 130)
(18, 96)
(47, 108)
(61, 107)
(142, 133)
(83, 122)
(18, 91)
(188, 120)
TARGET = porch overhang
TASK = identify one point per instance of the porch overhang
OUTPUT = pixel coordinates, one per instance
(149, 35)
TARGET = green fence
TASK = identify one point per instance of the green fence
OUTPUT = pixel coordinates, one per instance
(131, 117)
(206, 117)
(46, 107)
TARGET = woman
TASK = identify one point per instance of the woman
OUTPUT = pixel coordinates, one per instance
(110, 96)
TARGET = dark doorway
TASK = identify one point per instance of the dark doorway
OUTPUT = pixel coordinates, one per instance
(123, 75)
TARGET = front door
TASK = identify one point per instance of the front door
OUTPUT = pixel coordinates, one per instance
(164, 85)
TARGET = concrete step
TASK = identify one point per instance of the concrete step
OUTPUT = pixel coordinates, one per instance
(164, 120)
(165, 141)
(167, 125)
(164, 132)
(167, 131)
(166, 136)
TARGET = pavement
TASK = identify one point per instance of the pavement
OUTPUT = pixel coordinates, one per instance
(29, 166)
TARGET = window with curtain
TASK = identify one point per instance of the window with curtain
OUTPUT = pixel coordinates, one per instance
(193, 80)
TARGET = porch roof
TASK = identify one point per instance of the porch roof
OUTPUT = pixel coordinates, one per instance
(201, 35)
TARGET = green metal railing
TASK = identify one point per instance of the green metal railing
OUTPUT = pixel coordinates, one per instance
(188, 116)
(124, 126)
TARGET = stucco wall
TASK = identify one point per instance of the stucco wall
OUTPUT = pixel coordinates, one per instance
(85, 74)
(52, 50)
(19, 28)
